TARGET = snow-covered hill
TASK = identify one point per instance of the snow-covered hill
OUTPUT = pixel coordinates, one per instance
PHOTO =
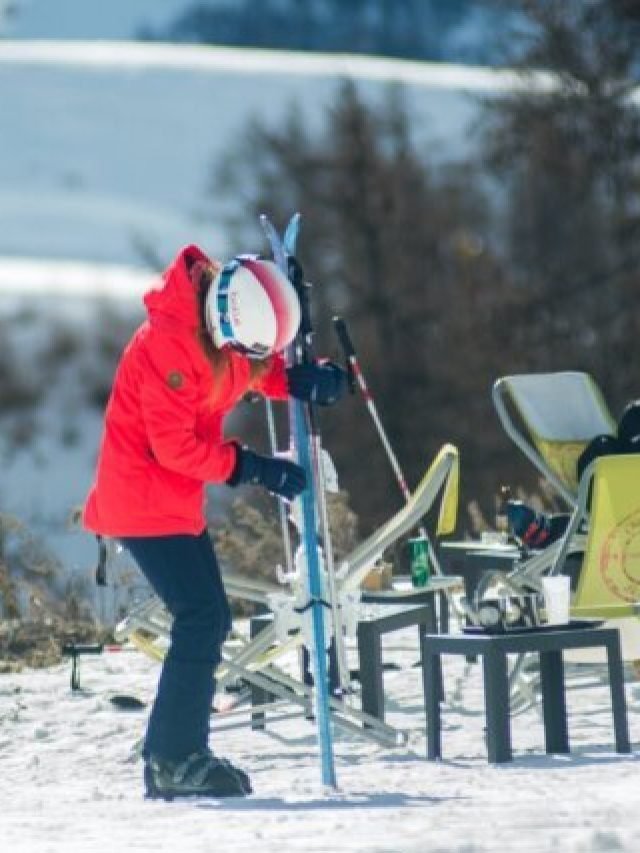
(107, 149)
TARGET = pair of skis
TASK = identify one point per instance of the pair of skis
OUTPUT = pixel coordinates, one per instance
(307, 449)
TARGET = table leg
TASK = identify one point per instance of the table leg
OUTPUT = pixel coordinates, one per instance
(618, 701)
(431, 673)
(370, 658)
(496, 700)
(554, 706)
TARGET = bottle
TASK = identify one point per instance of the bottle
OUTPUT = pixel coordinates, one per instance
(502, 518)
(419, 560)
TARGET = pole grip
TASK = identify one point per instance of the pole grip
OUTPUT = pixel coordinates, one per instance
(349, 352)
(343, 336)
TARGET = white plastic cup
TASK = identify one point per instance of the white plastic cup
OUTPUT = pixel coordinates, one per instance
(556, 590)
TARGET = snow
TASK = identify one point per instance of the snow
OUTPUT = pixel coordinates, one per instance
(108, 148)
(70, 781)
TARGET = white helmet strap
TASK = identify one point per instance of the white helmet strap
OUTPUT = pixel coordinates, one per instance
(222, 299)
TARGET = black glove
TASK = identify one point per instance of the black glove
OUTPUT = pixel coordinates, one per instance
(318, 382)
(280, 476)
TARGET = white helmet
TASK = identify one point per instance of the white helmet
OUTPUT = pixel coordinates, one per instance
(253, 307)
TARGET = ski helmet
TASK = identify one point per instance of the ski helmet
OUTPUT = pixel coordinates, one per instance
(253, 307)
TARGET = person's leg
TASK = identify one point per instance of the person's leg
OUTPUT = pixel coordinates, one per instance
(184, 573)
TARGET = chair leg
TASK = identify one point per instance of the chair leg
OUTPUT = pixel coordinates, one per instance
(370, 663)
(258, 695)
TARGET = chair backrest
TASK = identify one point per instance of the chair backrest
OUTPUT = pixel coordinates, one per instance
(610, 574)
(440, 480)
(552, 417)
(448, 512)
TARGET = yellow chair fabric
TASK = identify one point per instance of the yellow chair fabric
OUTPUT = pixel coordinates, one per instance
(609, 582)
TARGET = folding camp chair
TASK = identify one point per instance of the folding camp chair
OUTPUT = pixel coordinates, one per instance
(148, 626)
(552, 417)
(608, 584)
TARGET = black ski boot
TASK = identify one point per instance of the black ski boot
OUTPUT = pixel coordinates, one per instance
(199, 775)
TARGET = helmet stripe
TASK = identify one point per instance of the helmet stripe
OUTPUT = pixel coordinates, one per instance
(222, 300)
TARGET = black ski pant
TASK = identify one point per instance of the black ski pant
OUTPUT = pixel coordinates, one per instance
(183, 571)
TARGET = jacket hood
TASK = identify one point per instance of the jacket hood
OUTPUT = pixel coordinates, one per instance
(174, 300)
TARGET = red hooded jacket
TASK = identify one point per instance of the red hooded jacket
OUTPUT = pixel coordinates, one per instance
(163, 432)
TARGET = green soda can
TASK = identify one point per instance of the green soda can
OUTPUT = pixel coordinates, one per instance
(419, 560)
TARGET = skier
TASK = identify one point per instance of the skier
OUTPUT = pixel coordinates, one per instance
(212, 334)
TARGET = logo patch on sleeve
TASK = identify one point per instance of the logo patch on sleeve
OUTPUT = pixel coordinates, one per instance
(175, 379)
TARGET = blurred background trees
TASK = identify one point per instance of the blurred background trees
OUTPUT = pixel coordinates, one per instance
(451, 274)
(409, 29)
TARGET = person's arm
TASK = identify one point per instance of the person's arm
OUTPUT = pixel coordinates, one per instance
(320, 381)
(169, 404)
(271, 379)
(169, 400)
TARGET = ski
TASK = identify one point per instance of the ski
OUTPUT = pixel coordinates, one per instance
(301, 430)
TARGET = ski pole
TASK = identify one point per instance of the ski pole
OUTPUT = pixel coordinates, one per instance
(300, 434)
(306, 339)
(355, 371)
(353, 367)
(282, 507)
(305, 355)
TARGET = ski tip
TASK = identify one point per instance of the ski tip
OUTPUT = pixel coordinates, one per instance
(291, 233)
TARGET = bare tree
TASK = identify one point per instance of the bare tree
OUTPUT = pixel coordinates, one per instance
(400, 247)
(568, 156)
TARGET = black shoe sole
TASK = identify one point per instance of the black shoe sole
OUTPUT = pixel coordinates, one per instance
(242, 777)
(152, 792)
(170, 796)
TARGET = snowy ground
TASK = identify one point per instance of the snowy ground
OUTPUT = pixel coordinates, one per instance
(69, 782)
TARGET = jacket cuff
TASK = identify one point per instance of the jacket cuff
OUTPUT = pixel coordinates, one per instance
(274, 383)
(235, 478)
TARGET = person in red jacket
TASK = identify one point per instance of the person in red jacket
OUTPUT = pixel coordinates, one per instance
(212, 334)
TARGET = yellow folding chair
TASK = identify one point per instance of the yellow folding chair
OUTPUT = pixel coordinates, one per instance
(609, 581)
(552, 417)
(441, 480)
(608, 584)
